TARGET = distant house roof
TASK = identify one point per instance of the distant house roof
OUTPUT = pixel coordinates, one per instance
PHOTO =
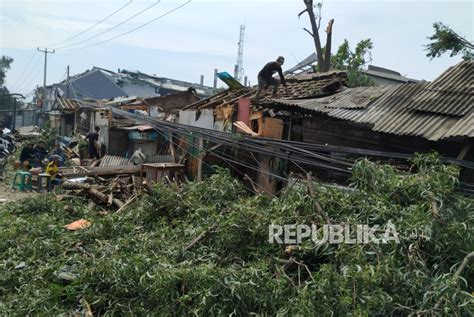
(163, 83)
(92, 84)
(387, 74)
(375, 71)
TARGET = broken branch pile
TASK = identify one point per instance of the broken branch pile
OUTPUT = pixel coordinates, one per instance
(203, 249)
(116, 191)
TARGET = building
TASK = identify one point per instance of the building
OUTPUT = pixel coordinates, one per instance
(378, 75)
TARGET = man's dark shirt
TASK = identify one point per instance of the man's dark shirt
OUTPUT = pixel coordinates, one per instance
(26, 154)
(92, 136)
(270, 69)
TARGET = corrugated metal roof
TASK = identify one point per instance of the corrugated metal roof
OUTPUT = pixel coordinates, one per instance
(390, 114)
(404, 121)
(451, 93)
(68, 104)
(111, 160)
(359, 97)
(463, 127)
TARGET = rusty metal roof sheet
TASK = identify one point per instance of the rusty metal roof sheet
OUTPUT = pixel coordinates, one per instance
(68, 104)
(451, 93)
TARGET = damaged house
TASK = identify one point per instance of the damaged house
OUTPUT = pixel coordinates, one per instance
(102, 84)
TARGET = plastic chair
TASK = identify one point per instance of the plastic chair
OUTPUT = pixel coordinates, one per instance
(41, 178)
(24, 181)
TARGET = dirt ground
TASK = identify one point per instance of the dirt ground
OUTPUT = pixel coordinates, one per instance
(8, 194)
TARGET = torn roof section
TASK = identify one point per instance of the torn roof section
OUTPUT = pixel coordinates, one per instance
(299, 86)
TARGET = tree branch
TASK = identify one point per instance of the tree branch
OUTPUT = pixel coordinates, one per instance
(302, 12)
(309, 32)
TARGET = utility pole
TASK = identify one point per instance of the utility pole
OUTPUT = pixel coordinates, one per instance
(46, 52)
(215, 80)
(13, 126)
(67, 83)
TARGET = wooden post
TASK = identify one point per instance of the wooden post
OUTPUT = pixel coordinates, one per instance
(290, 126)
(265, 183)
(173, 152)
(199, 163)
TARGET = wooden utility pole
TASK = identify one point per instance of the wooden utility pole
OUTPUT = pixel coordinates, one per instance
(46, 52)
(67, 83)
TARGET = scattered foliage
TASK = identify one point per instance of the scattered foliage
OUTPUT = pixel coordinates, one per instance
(141, 262)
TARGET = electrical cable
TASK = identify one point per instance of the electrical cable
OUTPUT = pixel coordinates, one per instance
(196, 157)
(111, 28)
(138, 27)
(93, 26)
(18, 80)
(31, 76)
(211, 134)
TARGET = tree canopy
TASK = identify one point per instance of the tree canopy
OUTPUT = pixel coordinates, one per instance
(5, 100)
(353, 61)
(446, 40)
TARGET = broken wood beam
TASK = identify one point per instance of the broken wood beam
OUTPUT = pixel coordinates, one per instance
(75, 186)
(102, 170)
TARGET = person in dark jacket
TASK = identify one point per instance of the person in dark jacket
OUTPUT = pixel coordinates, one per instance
(39, 154)
(265, 77)
(26, 155)
(93, 147)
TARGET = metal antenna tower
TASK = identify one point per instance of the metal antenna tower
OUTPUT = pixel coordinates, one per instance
(239, 66)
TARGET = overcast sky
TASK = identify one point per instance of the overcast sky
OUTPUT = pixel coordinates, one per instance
(203, 35)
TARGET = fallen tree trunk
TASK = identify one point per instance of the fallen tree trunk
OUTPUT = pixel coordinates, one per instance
(75, 186)
(103, 197)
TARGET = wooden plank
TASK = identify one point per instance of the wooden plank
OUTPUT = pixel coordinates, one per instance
(199, 167)
(101, 170)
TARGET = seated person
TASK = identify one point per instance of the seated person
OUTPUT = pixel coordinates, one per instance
(53, 170)
(26, 156)
(59, 152)
(39, 153)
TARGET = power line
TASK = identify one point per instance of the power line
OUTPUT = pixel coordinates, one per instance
(138, 27)
(113, 27)
(18, 80)
(93, 26)
(203, 162)
(31, 75)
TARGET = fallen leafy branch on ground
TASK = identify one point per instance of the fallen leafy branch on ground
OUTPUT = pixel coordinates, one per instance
(202, 249)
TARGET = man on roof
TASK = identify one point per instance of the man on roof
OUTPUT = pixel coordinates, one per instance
(265, 77)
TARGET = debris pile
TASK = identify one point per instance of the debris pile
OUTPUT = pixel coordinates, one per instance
(203, 249)
(113, 191)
